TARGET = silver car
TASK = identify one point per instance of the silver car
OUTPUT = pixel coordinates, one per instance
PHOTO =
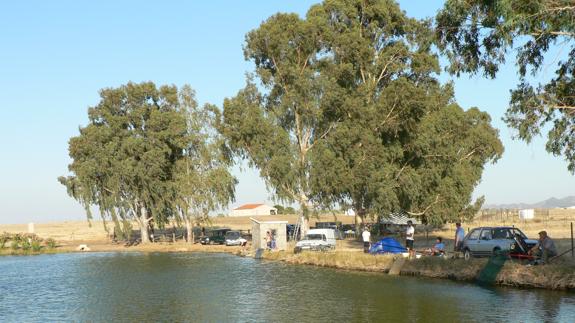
(488, 241)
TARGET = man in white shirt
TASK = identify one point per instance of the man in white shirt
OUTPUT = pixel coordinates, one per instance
(409, 233)
(459, 236)
(366, 235)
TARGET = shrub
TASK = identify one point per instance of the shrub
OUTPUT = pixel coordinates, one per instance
(26, 245)
(4, 237)
(51, 243)
(35, 245)
(14, 245)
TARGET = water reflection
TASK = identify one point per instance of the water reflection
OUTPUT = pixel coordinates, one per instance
(220, 288)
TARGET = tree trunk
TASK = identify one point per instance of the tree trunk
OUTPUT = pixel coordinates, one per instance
(304, 220)
(189, 230)
(145, 235)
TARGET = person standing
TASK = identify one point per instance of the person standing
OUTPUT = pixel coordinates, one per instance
(409, 238)
(366, 235)
(268, 239)
(459, 235)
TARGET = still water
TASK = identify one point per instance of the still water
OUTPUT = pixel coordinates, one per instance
(140, 287)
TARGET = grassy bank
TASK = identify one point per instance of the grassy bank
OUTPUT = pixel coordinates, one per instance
(558, 276)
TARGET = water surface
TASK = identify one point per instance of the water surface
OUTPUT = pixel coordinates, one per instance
(140, 287)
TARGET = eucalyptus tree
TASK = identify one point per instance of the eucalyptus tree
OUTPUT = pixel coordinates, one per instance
(124, 160)
(203, 182)
(477, 35)
(401, 143)
(273, 121)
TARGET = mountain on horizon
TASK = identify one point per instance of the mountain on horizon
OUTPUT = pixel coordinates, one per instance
(547, 204)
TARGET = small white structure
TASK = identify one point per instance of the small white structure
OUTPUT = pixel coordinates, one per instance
(350, 212)
(31, 227)
(526, 214)
(253, 210)
(276, 228)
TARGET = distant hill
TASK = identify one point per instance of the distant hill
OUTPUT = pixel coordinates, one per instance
(547, 204)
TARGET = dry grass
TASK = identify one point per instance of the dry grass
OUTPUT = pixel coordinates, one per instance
(560, 275)
(350, 260)
(437, 267)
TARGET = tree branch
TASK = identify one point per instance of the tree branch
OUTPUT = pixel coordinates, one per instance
(426, 209)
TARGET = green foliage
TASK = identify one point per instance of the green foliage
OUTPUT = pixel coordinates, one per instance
(280, 209)
(289, 210)
(51, 243)
(202, 177)
(25, 245)
(348, 111)
(476, 35)
(36, 245)
(400, 143)
(4, 237)
(125, 160)
(274, 126)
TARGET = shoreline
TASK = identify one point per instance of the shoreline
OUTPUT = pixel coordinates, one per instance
(558, 276)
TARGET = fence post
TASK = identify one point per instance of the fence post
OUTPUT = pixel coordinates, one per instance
(572, 252)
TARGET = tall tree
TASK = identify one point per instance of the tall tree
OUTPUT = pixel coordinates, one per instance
(401, 144)
(275, 126)
(124, 160)
(203, 182)
(476, 35)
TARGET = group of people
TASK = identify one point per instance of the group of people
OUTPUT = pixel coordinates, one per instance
(542, 251)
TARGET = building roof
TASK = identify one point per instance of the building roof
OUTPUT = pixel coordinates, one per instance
(268, 222)
(249, 206)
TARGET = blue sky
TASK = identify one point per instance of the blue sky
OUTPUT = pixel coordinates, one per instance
(55, 56)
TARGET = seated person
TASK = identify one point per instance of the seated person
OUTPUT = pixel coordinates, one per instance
(438, 249)
(545, 248)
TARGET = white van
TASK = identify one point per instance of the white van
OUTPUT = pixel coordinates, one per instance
(317, 239)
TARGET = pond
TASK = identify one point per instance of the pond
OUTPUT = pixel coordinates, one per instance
(149, 287)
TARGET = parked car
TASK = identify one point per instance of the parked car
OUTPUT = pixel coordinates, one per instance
(217, 236)
(317, 239)
(488, 241)
(336, 226)
(234, 238)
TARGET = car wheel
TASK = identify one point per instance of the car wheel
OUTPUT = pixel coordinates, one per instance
(467, 254)
(496, 251)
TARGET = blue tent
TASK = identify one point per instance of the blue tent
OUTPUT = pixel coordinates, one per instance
(387, 245)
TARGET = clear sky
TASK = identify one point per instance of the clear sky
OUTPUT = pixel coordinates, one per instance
(56, 55)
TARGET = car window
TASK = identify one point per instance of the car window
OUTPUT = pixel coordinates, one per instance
(486, 234)
(502, 233)
(474, 234)
(517, 231)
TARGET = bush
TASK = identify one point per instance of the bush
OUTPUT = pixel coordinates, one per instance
(4, 237)
(14, 245)
(36, 247)
(26, 245)
(50, 243)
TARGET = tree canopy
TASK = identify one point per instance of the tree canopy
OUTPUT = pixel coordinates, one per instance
(401, 144)
(131, 160)
(477, 35)
(275, 126)
(339, 106)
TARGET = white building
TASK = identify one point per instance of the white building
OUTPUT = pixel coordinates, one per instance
(253, 210)
(526, 214)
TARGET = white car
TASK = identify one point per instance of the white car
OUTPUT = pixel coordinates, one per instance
(317, 239)
(234, 238)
